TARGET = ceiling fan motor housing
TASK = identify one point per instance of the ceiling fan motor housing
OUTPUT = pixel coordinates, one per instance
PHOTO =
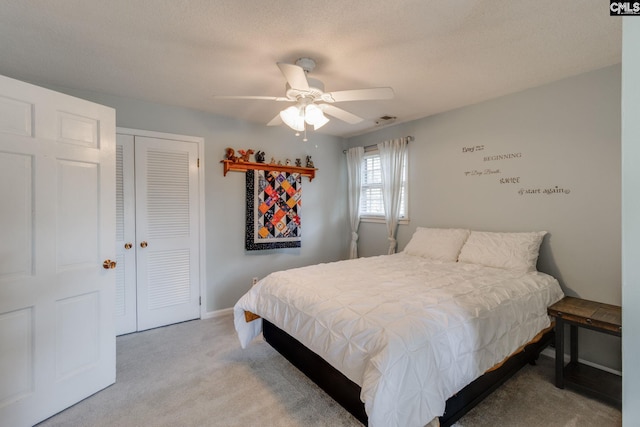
(316, 89)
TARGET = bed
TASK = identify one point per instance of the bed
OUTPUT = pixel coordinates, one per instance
(408, 332)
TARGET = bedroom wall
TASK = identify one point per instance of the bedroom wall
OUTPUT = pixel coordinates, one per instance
(562, 138)
(229, 267)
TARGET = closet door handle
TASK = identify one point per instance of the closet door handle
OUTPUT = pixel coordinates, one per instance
(128, 245)
(143, 244)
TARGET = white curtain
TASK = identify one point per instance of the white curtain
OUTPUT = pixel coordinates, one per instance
(354, 172)
(392, 155)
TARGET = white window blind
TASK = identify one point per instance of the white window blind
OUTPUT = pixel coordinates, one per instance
(371, 205)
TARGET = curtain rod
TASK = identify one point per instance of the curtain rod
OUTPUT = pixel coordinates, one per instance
(409, 139)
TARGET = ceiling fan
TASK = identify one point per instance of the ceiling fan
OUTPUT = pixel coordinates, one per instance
(311, 101)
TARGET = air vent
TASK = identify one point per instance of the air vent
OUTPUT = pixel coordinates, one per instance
(385, 120)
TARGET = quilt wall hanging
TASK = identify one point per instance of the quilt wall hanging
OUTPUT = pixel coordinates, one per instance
(273, 209)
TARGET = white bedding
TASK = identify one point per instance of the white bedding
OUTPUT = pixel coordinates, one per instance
(411, 332)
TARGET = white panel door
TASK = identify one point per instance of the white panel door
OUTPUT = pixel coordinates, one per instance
(57, 337)
(125, 310)
(167, 208)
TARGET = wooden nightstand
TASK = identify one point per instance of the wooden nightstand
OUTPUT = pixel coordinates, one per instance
(579, 313)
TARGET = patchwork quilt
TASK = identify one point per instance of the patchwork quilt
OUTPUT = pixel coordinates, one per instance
(273, 204)
(410, 331)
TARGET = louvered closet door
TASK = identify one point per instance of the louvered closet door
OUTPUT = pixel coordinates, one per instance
(125, 305)
(166, 231)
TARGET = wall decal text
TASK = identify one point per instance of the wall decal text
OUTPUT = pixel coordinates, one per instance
(502, 157)
(547, 191)
(476, 172)
(510, 180)
(472, 148)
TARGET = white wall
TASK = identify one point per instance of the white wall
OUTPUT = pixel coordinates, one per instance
(229, 267)
(564, 134)
(630, 223)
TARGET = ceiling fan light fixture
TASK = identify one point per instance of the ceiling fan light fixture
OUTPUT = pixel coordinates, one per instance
(313, 115)
(293, 117)
(320, 123)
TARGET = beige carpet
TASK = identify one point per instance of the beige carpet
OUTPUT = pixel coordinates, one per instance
(196, 374)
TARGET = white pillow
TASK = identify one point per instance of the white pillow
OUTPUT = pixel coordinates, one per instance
(441, 244)
(511, 251)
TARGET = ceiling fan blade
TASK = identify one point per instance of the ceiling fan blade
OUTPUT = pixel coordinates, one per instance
(295, 75)
(341, 114)
(359, 94)
(266, 98)
(275, 121)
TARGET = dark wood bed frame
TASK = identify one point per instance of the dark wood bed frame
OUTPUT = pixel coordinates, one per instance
(347, 393)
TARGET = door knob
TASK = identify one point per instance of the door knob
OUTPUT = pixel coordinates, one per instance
(143, 244)
(128, 245)
(108, 264)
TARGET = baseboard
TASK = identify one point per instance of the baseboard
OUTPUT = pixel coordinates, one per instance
(217, 313)
(550, 352)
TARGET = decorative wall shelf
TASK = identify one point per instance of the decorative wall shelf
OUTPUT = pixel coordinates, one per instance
(244, 166)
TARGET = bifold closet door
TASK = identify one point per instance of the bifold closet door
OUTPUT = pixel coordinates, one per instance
(166, 231)
(125, 311)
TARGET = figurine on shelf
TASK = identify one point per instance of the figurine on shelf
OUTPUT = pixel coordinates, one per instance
(279, 163)
(231, 155)
(287, 162)
(259, 156)
(298, 163)
(273, 161)
(310, 162)
(244, 155)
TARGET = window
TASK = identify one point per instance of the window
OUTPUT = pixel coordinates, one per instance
(371, 206)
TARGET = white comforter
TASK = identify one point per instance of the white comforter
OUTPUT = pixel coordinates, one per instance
(409, 331)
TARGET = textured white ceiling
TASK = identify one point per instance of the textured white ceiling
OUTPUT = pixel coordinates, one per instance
(436, 54)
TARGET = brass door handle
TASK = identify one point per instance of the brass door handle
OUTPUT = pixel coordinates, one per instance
(128, 245)
(143, 244)
(108, 264)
